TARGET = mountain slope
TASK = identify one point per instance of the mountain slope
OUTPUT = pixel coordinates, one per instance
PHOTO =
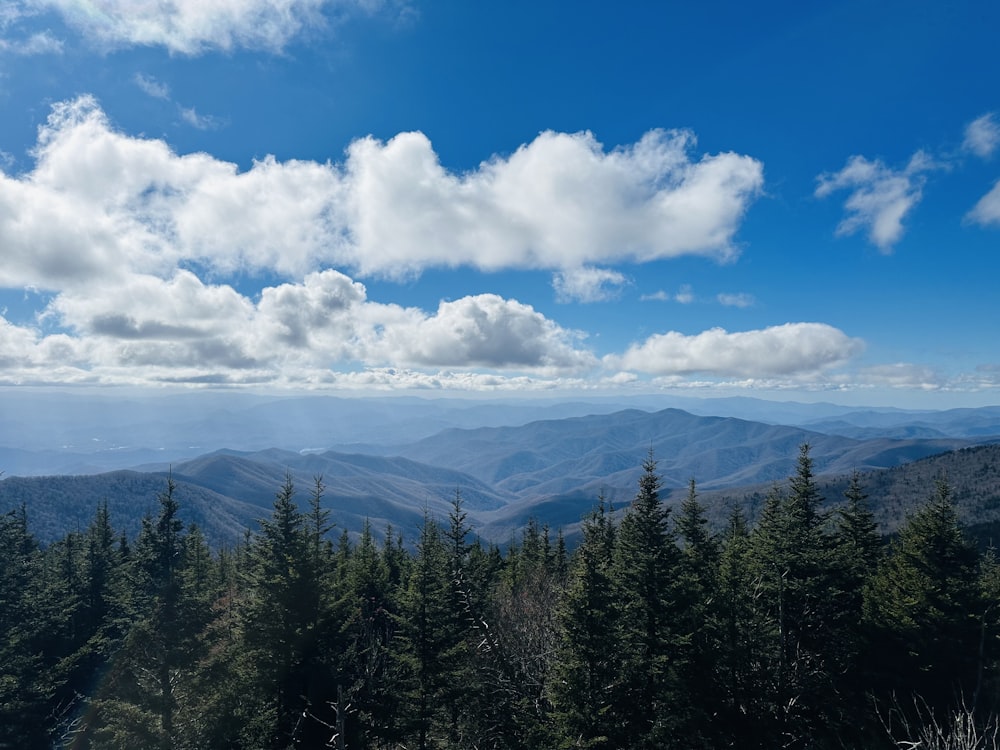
(556, 456)
(551, 469)
(57, 505)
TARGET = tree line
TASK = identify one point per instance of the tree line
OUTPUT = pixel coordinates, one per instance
(805, 630)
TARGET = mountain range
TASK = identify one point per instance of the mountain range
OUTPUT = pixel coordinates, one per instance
(551, 469)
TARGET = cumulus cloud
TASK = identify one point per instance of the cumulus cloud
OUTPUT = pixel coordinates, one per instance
(146, 226)
(561, 201)
(191, 27)
(588, 284)
(99, 201)
(149, 328)
(879, 197)
(987, 210)
(982, 136)
(487, 331)
(786, 350)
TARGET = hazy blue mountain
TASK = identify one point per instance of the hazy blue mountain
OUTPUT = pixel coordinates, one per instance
(226, 492)
(255, 477)
(45, 431)
(58, 504)
(552, 469)
(598, 452)
(983, 422)
(52, 432)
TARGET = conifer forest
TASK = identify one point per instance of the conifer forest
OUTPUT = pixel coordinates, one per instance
(803, 629)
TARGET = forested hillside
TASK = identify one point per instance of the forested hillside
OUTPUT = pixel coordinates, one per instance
(801, 630)
(550, 470)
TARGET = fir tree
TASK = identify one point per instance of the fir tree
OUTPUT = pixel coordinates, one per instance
(922, 610)
(586, 666)
(697, 620)
(644, 579)
(426, 636)
(284, 617)
(23, 704)
(800, 588)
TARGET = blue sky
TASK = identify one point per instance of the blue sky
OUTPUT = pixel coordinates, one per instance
(788, 200)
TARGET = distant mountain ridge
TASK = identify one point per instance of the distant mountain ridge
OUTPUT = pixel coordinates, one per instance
(605, 451)
(551, 469)
(46, 431)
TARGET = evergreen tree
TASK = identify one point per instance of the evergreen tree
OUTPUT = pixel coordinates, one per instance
(283, 619)
(644, 578)
(743, 635)
(152, 681)
(697, 620)
(923, 610)
(426, 637)
(586, 666)
(800, 588)
(858, 543)
(23, 703)
(366, 670)
(856, 554)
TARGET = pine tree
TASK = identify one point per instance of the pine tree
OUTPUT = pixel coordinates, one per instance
(857, 549)
(23, 704)
(743, 632)
(697, 620)
(644, 578)
(426, 637)
(922, 609)
(366, 669)
(799, 586)
(587, 664)
(154, 673)
(283, 617)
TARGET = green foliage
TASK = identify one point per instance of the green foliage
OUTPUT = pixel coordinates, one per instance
(923, 609)
(803, 632)
(586, 666)
(644, 577)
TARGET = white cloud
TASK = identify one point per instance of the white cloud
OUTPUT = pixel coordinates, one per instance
(151, 87)
(40, 43)
(903, 375)
(191, 27)
(880, 197)
(790, 349)
(99, 202)
(982, 136)
(10, 12)
(486, 331)
(683, 296)
(560, 201)
(987, 210)
(147, 328)
(588, 284)
(127, 215)
(740, 299)
(201, 122)
(658, 296)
